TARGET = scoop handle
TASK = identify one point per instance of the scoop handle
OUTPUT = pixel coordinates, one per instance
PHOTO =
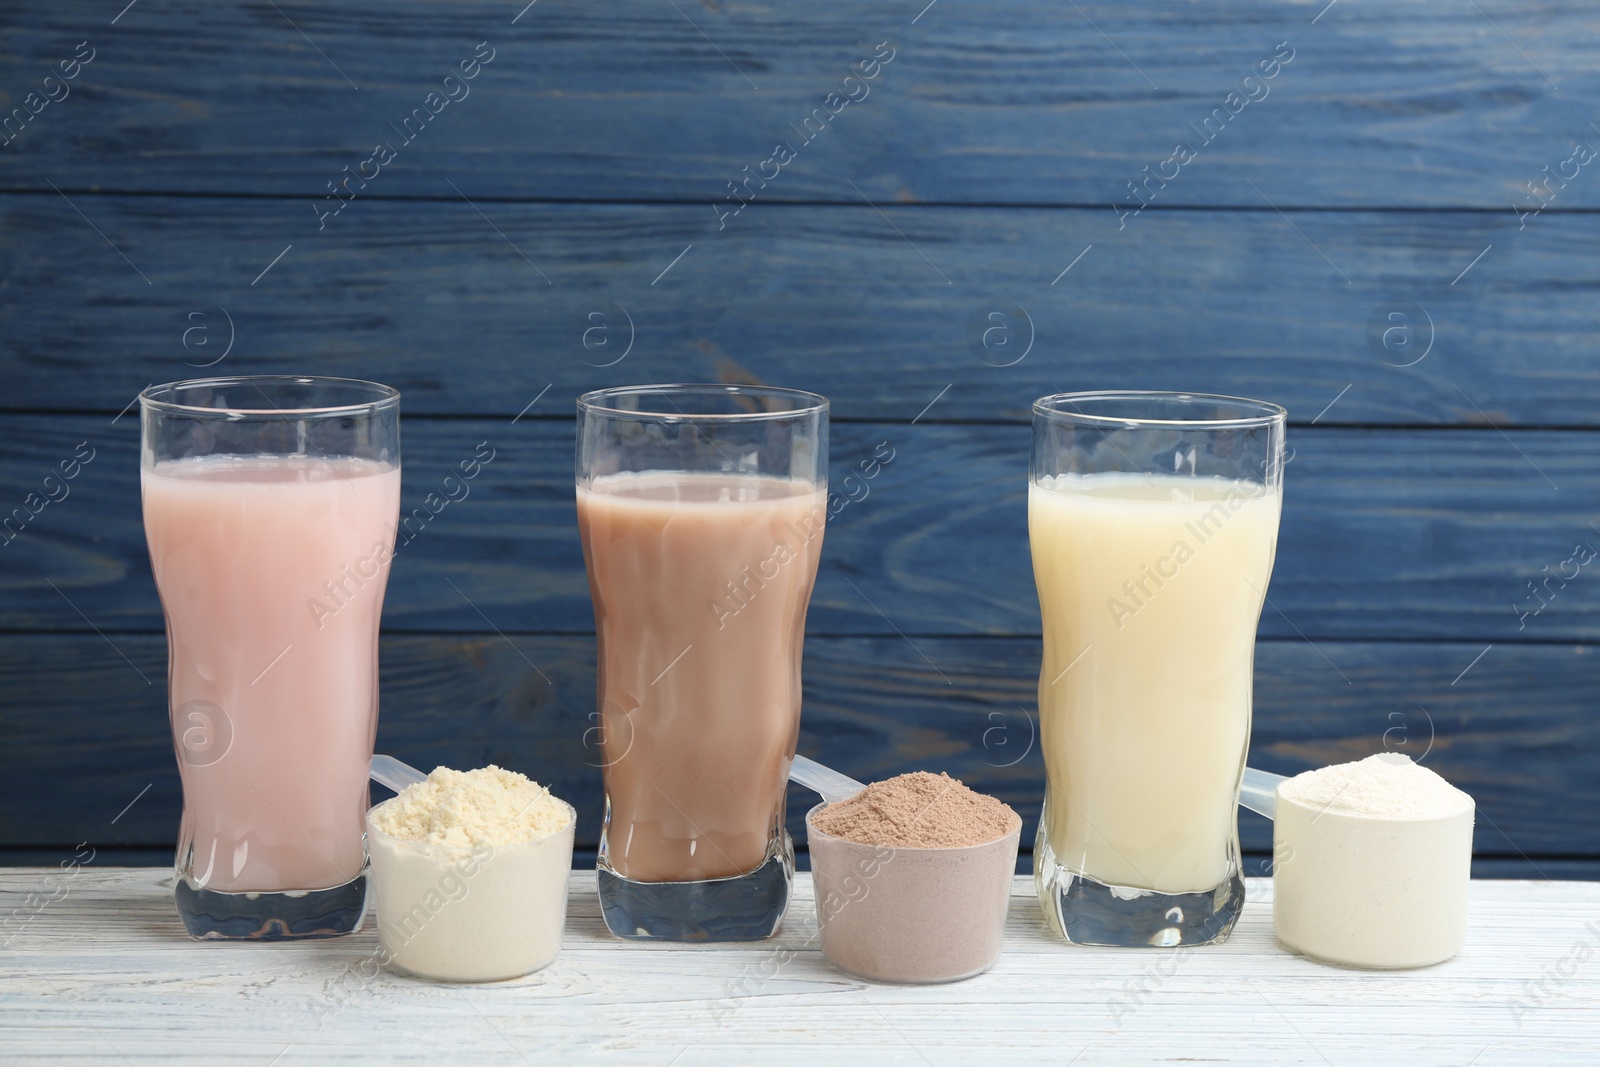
(833, 786)
(1259, 791)
(388, 771)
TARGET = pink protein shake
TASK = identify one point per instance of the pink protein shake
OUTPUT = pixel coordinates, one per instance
(271, 572)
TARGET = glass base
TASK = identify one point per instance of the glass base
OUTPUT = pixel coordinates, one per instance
(293, 916)
(1088, 912)
(746, 907)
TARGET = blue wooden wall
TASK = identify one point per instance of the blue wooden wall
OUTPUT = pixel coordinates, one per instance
(1383, 215)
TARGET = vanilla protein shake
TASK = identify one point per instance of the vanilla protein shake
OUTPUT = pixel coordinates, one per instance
(1150, 587)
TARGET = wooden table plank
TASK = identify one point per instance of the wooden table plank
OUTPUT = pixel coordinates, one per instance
(105, 971)
(429, 297)
(1453, 525)
(1022, 101)
(83, 735)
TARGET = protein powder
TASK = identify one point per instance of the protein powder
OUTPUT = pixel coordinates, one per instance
(913, 877)
(470, 874)
(1373, 860)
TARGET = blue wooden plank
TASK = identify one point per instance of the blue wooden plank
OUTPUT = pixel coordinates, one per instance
(1023, 101)
(1386, 533)
(84, 735)
(456, 310)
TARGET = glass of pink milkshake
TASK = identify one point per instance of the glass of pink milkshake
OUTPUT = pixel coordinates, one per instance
(701, 509)
(270, 506)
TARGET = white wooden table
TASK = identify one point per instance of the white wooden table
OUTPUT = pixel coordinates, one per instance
(104, 973)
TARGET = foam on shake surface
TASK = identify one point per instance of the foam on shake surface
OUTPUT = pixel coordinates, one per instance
(679, 487)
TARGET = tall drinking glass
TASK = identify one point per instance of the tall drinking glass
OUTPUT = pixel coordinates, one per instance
(701, 509)
(1153, 520)
(270, 506)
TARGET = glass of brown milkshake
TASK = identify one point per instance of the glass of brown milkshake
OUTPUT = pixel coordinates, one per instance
(701, 510)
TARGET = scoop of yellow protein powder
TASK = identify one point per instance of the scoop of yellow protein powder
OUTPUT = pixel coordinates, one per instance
(1372, 862)
(470, 872)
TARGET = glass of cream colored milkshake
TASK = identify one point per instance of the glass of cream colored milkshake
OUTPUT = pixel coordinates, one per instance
(1153, 521)
(270, 506)
(701, 510)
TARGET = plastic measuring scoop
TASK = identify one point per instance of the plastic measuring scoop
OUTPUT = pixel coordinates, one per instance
(960, 893)
(1259, 791)
(390, 772)
(832, 785)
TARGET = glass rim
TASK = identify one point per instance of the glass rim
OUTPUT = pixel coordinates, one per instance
(597, 401)
(1268, 412)
(946, 849)
(383, 396)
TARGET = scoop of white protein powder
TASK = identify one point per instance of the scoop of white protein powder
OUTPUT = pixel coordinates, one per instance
(1373, 862)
